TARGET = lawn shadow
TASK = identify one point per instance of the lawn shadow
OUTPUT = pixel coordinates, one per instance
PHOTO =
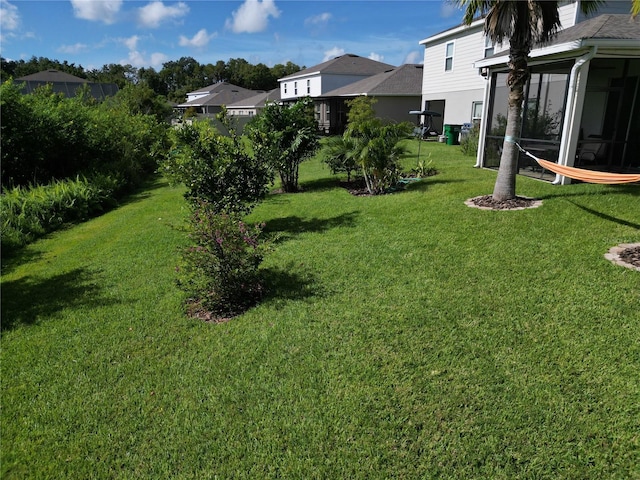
(566, 192)
(283, 284)
(295, 225)
(427, 182)
(607, 217)
(327, 183)
(29, 300)
(13, 258)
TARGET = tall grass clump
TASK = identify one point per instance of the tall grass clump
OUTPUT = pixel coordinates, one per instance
(30, 212)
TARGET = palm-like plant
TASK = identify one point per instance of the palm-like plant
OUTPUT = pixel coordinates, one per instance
(377, 150)
(524, 23)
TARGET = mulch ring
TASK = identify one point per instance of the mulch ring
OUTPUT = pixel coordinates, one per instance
(626, 255)
(487, 202)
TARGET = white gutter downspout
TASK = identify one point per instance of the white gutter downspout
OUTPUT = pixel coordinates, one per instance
(573, 111)
(483, 122)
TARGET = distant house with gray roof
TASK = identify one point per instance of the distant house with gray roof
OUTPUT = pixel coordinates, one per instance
(251, 106)
(316, 81)
(210, 100)
(397, 91)
(65, 83)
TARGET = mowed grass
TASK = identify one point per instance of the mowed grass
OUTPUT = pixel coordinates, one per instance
(403, 336)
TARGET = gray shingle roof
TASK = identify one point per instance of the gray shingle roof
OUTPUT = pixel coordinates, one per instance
(65, 83)
(258, 100)
(347, 64)
(51, 76)
(403, 80)
(225, 95)
(609, 26)
(220, 87)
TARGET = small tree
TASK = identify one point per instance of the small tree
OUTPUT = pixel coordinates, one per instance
(215, 169)
(338, 154)
(378, 151)
(283, 136)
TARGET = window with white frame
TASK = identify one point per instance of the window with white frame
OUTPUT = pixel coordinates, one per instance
(285, 88)
(295, 88)
(448, 58)
(308, 87)
(488, 47)
(476, 113)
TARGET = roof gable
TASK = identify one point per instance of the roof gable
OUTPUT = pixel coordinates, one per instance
(403, 80)
(52, 76)
(348, 64)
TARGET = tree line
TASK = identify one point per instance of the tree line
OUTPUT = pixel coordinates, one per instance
(173, 81)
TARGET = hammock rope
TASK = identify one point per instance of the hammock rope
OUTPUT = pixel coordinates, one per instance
(582, 174)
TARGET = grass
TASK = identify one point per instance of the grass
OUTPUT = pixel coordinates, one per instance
(404, 336)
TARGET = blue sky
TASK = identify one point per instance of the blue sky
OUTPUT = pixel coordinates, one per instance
(145, 33)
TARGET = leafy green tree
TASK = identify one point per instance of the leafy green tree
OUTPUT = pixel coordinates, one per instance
(361, 112)
(524, 23)
(216, 169)
(141, 100)
(283, 136)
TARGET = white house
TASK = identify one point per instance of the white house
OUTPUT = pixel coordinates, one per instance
(464, 79)
(316, 81)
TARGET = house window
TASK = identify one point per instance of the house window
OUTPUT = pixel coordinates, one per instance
(295, 88)
(448, 59)
(285, 88)
(308, 87)
(488, 47)
(476, 113)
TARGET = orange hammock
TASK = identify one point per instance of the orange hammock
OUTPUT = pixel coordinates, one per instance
(590, 176)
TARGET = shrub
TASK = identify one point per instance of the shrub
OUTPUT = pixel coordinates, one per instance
(338, 154)
(215, 169)
(219, 271)
(283, 136)
(74, 136)
(469, 142)
(378, 151)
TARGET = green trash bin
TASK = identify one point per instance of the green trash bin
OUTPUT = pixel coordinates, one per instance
(452, 132)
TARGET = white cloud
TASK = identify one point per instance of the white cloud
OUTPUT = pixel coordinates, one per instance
(155, 13)
(157, 59)
(131, 42)
(76, 48)
(103, 10)
(199, 40)
(137, 59)
(253, 16)
(321, 19)
(414, 57)
(9, 16)
(376, 56)
(333, 53)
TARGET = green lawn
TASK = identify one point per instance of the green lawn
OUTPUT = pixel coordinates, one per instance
(404, 336)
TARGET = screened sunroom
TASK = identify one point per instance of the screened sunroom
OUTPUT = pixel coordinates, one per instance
(581, 103)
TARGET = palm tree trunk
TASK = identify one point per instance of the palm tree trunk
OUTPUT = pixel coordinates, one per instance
(505, 187)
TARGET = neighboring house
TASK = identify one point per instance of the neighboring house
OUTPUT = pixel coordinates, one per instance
(251, 106)
(397, 91)
(209, 100)
(66, 84)
(316, 81)
(464, 79)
